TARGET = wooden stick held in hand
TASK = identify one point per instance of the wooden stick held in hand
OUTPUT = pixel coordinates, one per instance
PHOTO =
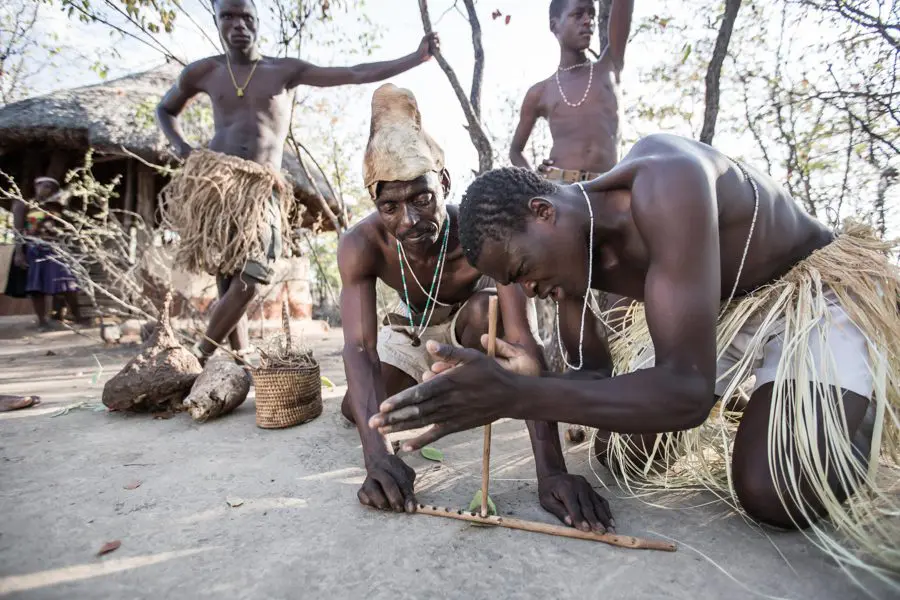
(486, 452)
(613, 539)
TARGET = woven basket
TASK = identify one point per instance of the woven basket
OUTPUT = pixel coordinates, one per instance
(287, 396)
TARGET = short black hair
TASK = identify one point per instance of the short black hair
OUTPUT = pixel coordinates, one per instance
(556, 8)
(216, 2)
(496, 204)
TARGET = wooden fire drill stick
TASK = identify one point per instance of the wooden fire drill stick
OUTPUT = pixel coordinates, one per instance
(613, 539)
(486, 452)
(624, 541)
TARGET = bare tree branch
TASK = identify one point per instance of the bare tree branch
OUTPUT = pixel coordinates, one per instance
(603, 8)
(478, 70)
(479, 137)
(90, 16)
(715, 69)
(847, 10)
(323, 203)
(864, 122)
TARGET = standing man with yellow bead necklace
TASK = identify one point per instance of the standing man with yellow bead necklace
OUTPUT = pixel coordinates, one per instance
(229, 203)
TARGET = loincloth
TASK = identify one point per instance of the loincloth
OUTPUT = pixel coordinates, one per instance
(830, 323)
(395, 338)
(568, 175)
(229, 213)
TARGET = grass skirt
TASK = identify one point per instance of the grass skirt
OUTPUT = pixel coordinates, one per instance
(218, 206)
(856, 267)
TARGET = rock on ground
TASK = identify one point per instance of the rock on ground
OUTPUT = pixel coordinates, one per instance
(222, 387)
(158, 378)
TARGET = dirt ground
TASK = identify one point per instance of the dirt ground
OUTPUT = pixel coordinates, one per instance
(296, 529)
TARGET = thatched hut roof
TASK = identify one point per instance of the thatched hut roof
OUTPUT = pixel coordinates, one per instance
(118, 115)
(104, 116)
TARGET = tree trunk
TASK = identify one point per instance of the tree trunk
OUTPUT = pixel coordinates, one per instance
(715, 70)
(478, 70)
(603, 7)
(476, 132)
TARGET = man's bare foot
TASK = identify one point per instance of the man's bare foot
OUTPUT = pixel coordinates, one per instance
(9, 403)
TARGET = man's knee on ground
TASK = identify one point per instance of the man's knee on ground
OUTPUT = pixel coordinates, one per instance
(759, 497)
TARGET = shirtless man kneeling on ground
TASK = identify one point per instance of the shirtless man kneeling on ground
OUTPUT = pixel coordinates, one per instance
(737, 282)
(411, 243)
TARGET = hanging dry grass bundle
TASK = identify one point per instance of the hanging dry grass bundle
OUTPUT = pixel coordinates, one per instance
(218, 205)
(159, 377)
(856, 270)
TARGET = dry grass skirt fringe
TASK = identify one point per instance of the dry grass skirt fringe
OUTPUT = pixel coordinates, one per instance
(863, 531)
(218, 206)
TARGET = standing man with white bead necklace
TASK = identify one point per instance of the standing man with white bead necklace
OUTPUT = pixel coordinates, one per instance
(581, 104)
(411, 243)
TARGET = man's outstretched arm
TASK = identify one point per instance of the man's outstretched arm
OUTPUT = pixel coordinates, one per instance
(304, 73)
(619, 29)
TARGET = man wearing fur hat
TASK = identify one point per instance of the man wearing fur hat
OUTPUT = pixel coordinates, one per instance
(411, 243)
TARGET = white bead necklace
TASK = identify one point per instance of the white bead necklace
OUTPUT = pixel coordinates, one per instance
(749, 235)
(416, 279)
(587, 293)
(588, 89)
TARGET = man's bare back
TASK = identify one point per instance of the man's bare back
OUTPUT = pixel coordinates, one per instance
(782, 233)
(581, 101)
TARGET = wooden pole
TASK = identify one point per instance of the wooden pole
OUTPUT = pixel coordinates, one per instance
(486, 452)
(623, 541)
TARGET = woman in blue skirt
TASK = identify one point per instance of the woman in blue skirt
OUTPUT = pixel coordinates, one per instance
(47, 277)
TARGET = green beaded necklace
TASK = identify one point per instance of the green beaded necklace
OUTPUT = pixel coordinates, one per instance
(432, 293)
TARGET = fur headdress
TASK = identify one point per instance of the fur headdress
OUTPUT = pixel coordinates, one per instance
(398, 148)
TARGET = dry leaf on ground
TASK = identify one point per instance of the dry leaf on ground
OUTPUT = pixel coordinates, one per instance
(109, 547)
